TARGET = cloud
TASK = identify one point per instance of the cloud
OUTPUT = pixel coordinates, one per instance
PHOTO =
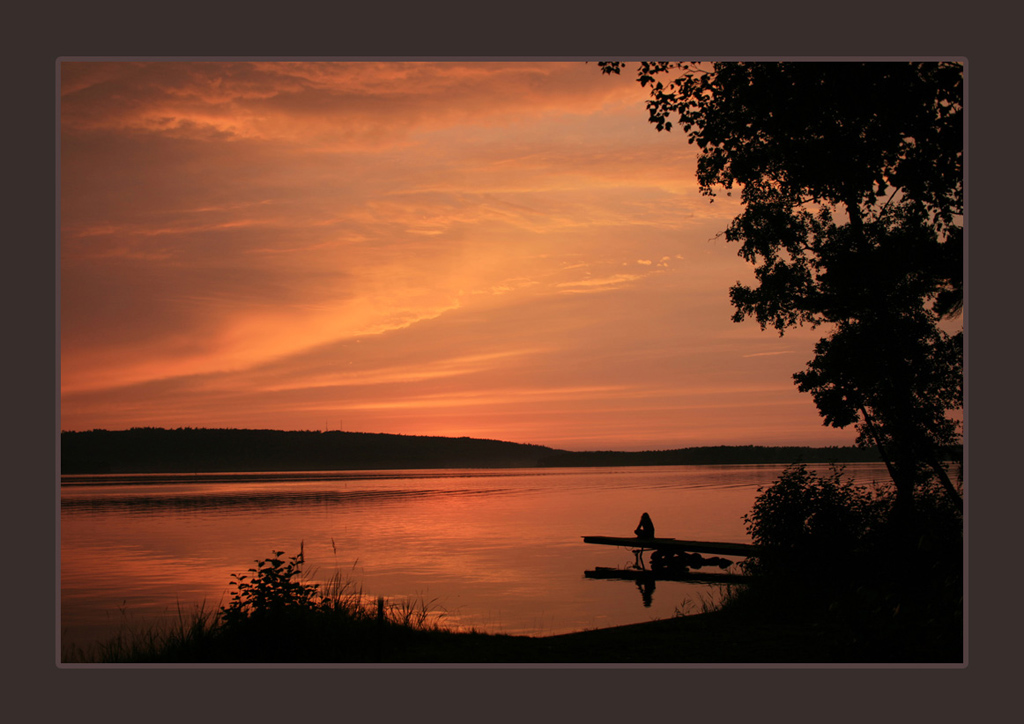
(332, 105)
(598, 285)
(769, 354)
(470, 248)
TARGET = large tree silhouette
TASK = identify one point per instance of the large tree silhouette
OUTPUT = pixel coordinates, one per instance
(851, 182)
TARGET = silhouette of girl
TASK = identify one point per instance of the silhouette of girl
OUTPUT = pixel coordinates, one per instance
(646, 527)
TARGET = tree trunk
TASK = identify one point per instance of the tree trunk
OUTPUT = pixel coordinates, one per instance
(947, 485)
(903, 509)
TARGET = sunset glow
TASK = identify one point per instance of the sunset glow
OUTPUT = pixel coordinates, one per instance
(494, 250)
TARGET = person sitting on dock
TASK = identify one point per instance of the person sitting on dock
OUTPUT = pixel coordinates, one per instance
(646, 528)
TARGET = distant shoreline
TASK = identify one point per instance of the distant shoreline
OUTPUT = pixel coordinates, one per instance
(205, 450)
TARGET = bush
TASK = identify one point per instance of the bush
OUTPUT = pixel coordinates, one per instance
(805, 520)
(830, 551)
(273, 594)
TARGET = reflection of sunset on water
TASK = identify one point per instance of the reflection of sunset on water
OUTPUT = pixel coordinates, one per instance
(495, 250)
(500, 551)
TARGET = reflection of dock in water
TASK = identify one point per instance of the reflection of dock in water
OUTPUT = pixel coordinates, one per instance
(671, 560)
(635, 574)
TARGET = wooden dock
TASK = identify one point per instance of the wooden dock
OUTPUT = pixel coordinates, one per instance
(674, 545)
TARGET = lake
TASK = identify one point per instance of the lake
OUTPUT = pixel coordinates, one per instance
(494, 550)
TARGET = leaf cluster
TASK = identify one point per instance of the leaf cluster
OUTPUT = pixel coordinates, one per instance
(807, 521)
(822, 132)
(880, 143)
(273, 593)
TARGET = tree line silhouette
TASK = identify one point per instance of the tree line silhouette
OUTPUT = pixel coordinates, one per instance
(191, 450)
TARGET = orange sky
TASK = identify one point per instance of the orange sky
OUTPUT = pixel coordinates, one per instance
(496, 250)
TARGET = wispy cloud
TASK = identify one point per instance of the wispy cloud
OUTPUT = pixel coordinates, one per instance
(770, 354)
(492, 249)
(602, 284)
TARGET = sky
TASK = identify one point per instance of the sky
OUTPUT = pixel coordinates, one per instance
(499, 250)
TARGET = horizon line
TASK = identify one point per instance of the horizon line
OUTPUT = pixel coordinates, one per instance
(463, 437)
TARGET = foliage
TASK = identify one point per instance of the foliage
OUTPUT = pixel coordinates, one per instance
(837, 133)
(806, 520)
(851, 181)
(895, 378)
(273, 593)
(829, 553)
(825, 541)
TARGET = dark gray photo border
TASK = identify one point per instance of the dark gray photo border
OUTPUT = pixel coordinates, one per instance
(570, 30)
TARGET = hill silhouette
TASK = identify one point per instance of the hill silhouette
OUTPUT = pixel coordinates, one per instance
(716, 455)
(189, 450)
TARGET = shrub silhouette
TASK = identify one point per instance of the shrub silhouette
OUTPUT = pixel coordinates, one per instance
(806, 520)
(274, 593)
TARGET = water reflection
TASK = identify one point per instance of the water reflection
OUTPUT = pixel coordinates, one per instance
(499, 550)
(136, 479)
(646, 586)
(150, 502)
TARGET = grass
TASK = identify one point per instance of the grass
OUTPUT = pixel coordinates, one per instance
(340, 623)
(148, 642)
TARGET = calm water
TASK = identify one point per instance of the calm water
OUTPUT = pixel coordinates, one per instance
(496, 550)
